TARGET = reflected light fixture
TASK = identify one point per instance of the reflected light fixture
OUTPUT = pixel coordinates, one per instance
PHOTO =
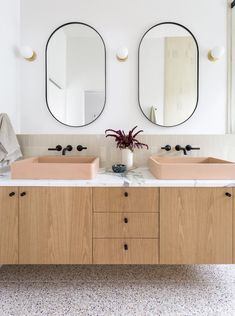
(28, 53)
(122, 54)
(216, 53)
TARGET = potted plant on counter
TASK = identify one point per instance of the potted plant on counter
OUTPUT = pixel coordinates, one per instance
(127, 143)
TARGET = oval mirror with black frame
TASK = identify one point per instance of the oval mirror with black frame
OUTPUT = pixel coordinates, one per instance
(75, 74)
(168, 74)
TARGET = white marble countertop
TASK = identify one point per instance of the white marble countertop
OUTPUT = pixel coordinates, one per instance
(139, 177)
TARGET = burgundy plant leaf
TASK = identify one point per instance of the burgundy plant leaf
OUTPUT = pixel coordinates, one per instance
(110, 130)
(137, 133)
(124, 140)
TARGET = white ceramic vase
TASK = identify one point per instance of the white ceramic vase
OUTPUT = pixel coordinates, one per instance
(127, 158)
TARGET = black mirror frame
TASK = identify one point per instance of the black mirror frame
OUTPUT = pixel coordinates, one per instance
(105, 83)
(180, 25)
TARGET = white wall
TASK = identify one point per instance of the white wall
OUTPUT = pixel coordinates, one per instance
(9, 70)
(123, 23)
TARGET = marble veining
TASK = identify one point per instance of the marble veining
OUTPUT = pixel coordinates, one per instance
(138, 177)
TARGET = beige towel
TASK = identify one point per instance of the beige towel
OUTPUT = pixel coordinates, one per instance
(9, 146)
(153, 114)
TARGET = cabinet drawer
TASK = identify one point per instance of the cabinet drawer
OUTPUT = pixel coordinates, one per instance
(125, 251)
(126, 200)
(124, 225)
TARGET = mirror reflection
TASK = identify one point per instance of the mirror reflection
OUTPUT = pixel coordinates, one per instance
(168, 74)
(75, 74)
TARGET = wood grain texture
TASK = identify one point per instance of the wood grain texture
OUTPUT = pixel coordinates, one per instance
(111, 251)
(137, 225)
(114, 200)
(55, 225)
(233, 225)
(8, 225)
(195, 225)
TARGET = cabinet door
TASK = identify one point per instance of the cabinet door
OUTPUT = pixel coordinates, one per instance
(233, 225)
(8, 225)
(55, 225)
(195, 225)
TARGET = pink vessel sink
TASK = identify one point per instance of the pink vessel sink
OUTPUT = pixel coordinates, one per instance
(56, 167)
(182, 168)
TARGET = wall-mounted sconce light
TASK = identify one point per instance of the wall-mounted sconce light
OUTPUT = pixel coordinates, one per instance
(216, 53)
(28, 53)
(122, 54)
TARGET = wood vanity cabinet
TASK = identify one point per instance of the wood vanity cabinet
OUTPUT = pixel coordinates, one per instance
(196, 225)
(55, 225)
(125, 225)
(8, 225)
(233, 225)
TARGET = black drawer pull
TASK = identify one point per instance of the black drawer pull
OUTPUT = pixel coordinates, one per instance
(125, 220)
(11, 194)
(23, 194)
(125, 247)
(126, 194)
(228, 194)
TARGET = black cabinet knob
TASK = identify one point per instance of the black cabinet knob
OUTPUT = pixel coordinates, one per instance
(22, 193)
(126, 194)
(11, 194)
(125, 220)
(125, 247)
(228, 194)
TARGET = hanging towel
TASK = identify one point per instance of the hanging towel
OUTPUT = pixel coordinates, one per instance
(153, 114)
(9, 146)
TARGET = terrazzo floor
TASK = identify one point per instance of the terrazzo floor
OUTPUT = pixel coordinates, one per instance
(117, 290)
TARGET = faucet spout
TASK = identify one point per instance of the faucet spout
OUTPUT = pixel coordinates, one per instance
(67, 148)
(178, 148)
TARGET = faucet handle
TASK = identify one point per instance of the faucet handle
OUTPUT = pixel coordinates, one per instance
(69, 147)
(178, 148)
(57, 148)
(80, 147)
(166, 147)
(189, 147)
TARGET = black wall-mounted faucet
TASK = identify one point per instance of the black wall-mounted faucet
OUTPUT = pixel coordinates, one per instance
(178, 148)
(186, 148)
(67, 148)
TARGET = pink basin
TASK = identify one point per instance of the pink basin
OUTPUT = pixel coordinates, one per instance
(55, 167)
(191, 168)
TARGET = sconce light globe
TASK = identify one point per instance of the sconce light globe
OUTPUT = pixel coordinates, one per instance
(28, 53)
(122, 53)
(216, 53)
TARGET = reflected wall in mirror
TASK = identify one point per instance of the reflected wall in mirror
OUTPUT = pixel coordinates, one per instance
(168, 74)
(75, 74)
